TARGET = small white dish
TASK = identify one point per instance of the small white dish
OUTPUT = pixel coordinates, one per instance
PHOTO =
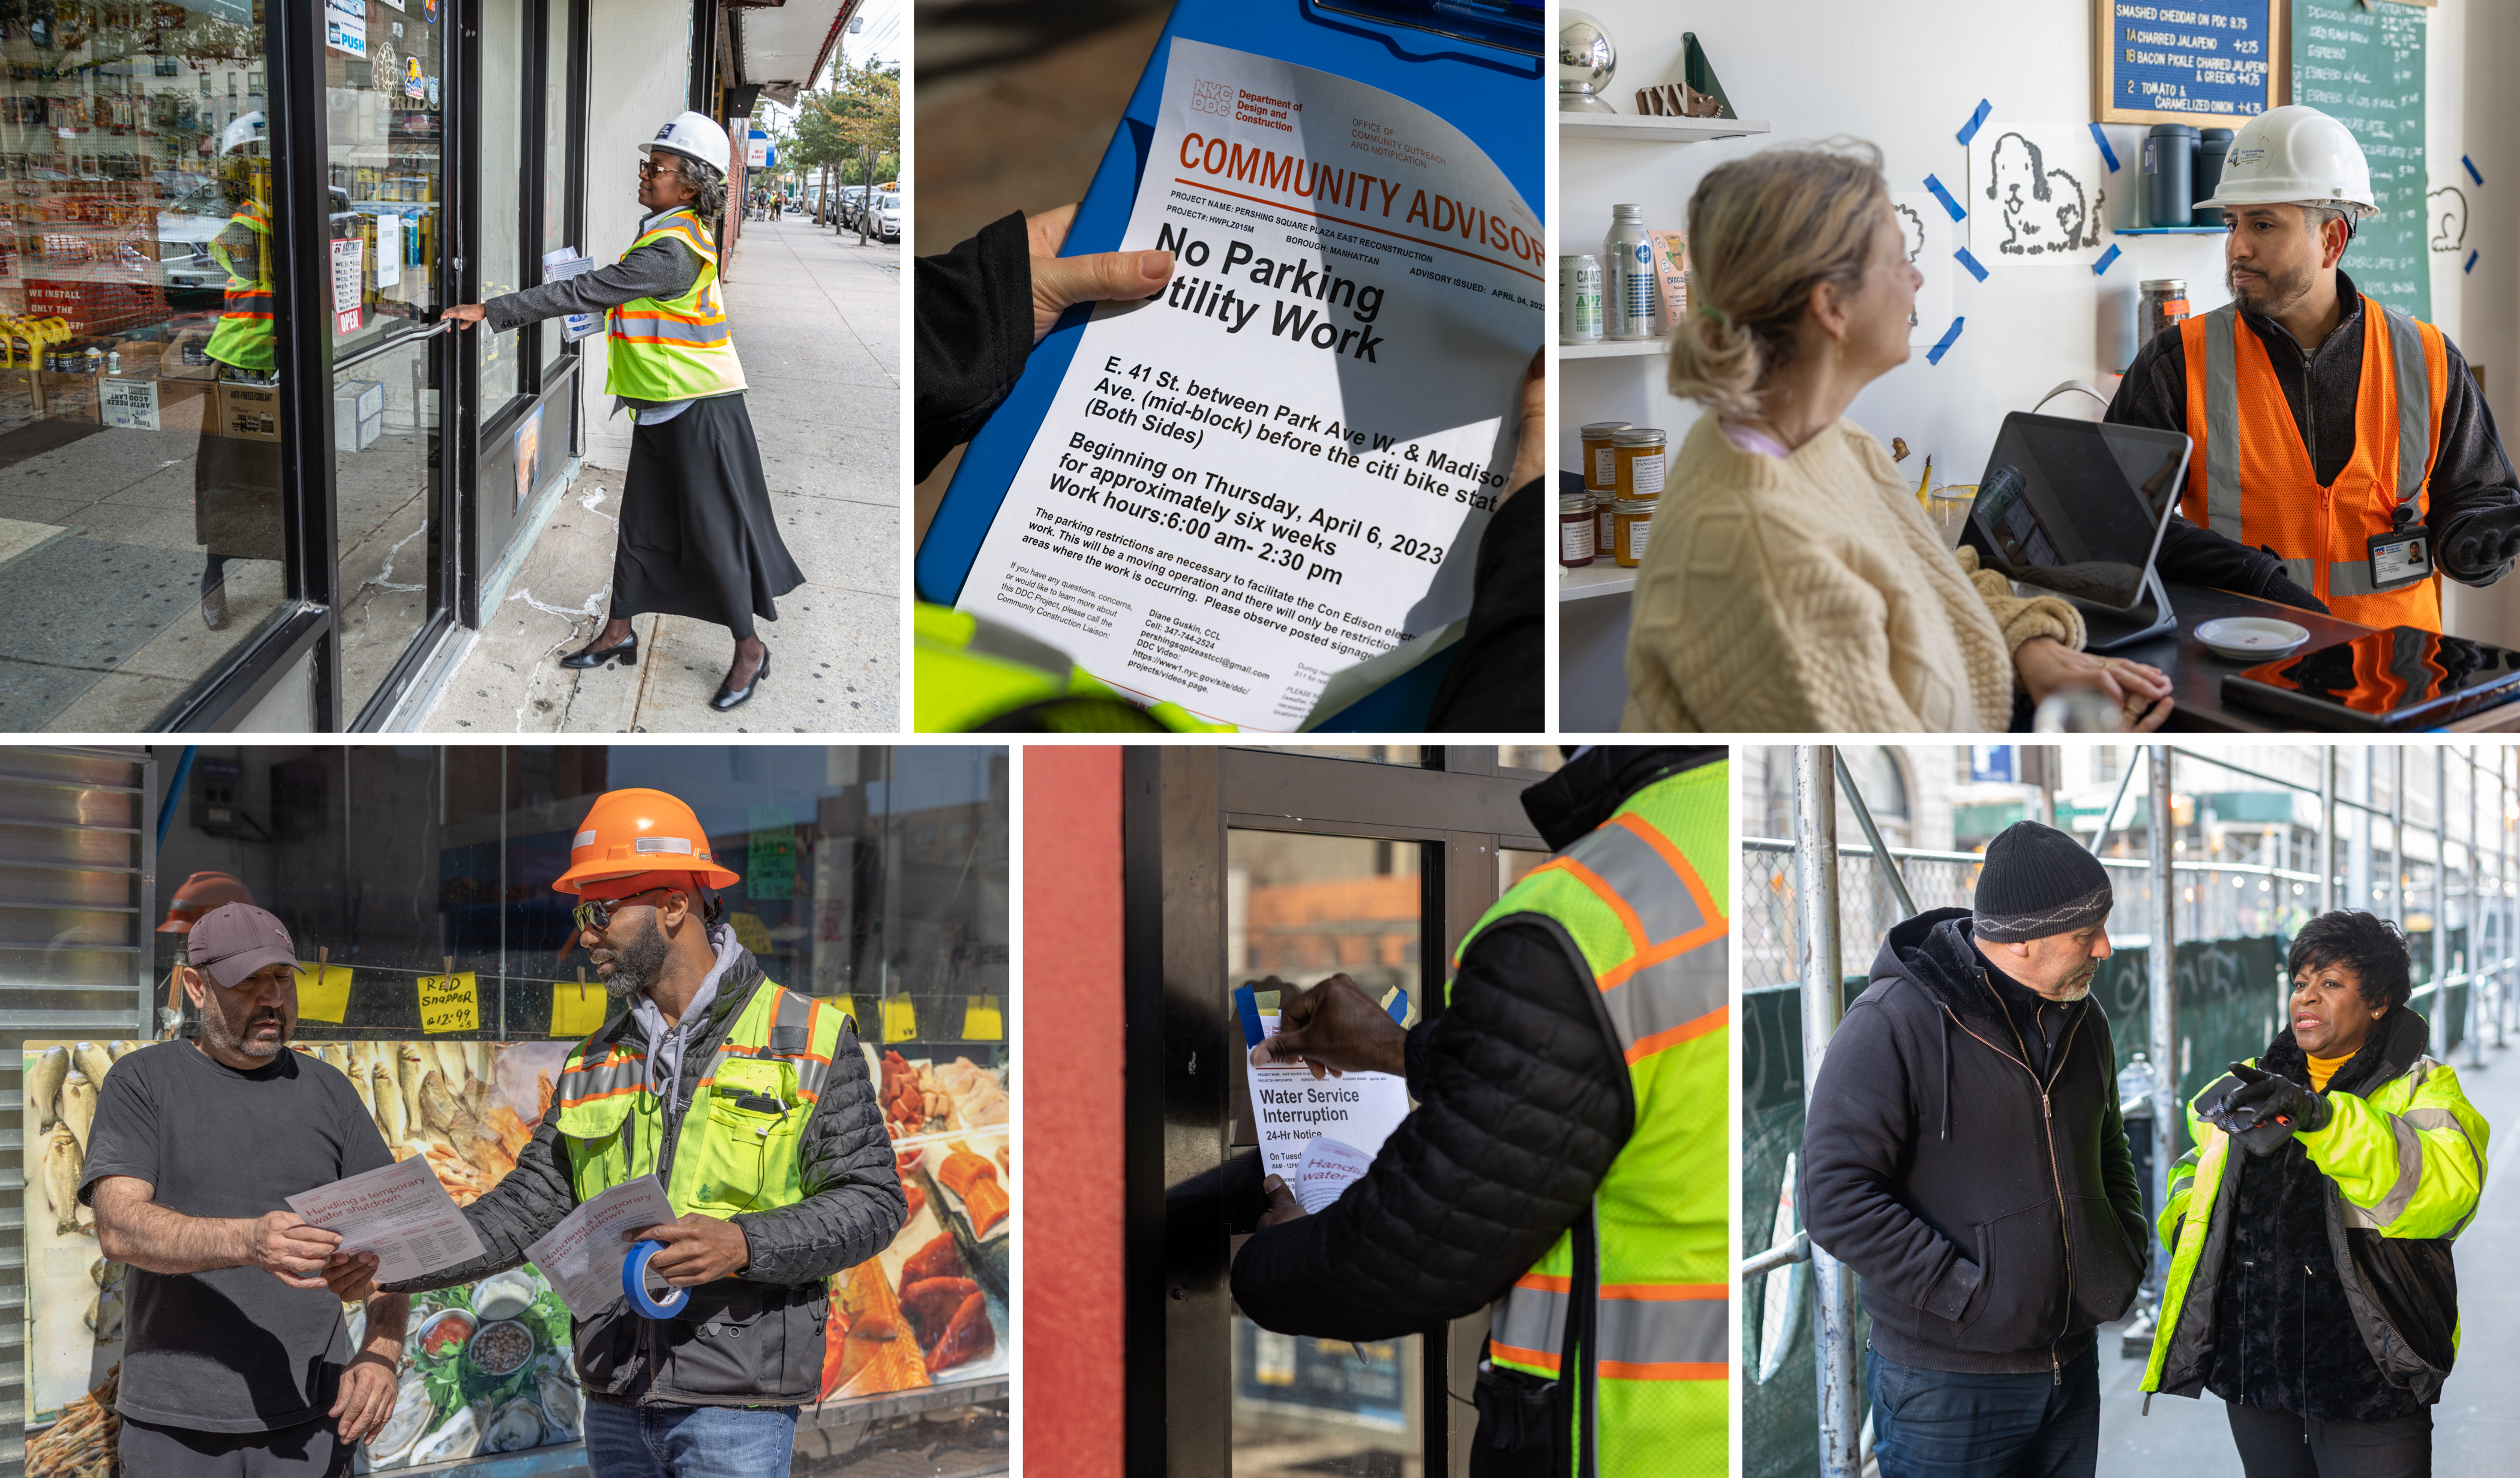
(2252, 639)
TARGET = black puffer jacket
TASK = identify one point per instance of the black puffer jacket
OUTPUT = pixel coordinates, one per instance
(756, 1338)
(2284, 1334)
(1523, 1101)
(1993, 1218)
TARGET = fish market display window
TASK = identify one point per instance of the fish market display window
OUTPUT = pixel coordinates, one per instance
(1242, 865)
(439, 972)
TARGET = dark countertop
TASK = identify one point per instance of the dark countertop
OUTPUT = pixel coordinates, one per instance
(2197, 674)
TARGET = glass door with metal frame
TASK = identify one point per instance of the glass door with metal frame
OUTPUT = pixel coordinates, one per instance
(1244, 864)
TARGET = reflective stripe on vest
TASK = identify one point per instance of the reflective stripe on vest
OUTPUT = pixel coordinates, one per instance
(2254, 480)
(676, 349)
(792, 1038)
(1652, 935)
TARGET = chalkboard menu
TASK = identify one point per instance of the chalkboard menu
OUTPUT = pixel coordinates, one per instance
(2207, 63)
(2365, 69)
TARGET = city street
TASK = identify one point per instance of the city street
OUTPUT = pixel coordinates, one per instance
(817, 319)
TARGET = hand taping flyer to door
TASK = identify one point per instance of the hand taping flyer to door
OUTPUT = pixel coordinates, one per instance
(1282, 465)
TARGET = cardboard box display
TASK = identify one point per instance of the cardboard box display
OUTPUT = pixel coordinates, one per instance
(249, 412)
(68, 397)
(184, 405)
(359, 413)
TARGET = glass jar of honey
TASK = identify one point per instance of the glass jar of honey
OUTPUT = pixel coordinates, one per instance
(1637, 455)
(1636, 524)
(1598, 473)
(1575, 532)
(1606, 524)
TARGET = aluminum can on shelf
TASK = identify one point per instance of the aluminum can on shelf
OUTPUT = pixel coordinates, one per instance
(1631, 292)
(1579, 299)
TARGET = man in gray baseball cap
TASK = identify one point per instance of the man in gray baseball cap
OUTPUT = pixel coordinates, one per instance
(1964, 1157)
(197, 1146)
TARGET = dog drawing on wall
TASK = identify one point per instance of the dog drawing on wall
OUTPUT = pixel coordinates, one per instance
(2449, 209)
(1912, 238)
(2045, 210)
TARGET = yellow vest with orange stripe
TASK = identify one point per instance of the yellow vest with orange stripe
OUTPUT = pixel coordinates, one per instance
(2251, 479)
(243, 336)
(677, 348)
(737, 1145)
(1640, 906)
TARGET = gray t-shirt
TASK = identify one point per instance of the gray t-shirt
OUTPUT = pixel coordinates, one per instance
(232, 1350)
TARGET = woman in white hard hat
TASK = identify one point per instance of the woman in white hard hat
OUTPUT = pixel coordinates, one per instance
(2333, 432)
(697, 537)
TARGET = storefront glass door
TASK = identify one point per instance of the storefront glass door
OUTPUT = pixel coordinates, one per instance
(386, 119)
(1243, 864)
(140, 455)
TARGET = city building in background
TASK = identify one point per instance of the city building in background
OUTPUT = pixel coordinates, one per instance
(872, 878)
(251, 481)
(2261, 837)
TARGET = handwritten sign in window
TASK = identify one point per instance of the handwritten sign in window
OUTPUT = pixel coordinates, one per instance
(449, 1003)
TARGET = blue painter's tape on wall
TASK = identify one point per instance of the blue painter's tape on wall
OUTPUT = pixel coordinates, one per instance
(2471, 263)
(1945, 195)
(2106, 257)
(2471, 169)
(2107, 153)
(1968, 130)
(1964, 259)
(1950, 335)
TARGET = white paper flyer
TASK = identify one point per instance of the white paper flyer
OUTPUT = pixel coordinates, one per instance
(1282, 465)
(583, 1255)
(1293, 1111)
(401, 1213)
(1328, 1167)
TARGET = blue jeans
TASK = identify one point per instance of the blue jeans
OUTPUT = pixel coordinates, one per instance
(689, 1441)
(1953, 1424)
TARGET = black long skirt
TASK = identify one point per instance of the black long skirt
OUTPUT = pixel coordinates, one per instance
(697, 537)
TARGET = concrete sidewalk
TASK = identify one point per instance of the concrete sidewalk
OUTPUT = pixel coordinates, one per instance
(2476, 1428)
(817, 319)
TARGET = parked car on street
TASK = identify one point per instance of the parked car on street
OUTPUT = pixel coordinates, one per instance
(890, 207)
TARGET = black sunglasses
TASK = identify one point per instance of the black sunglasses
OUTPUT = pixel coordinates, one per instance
(596, 912)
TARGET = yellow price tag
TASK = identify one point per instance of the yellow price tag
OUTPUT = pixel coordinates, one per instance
(323, 992)
(577, 1009)
(982, 1021)
(900, 1019)
(449, 1003)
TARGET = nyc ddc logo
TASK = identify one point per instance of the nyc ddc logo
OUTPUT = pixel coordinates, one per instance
(1211, 97)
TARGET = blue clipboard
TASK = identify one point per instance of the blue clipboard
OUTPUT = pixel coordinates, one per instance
(1246, 1010)
(1434, 59)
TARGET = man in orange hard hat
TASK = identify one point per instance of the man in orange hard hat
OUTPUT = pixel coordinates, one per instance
(201, 893)
(751, 1104)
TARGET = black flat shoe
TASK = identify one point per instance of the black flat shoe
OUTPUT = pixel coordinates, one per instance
(625, 652)
(214, 607)
(735, 697)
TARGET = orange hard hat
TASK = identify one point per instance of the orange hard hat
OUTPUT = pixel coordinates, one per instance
(628, 833)
(201, 893)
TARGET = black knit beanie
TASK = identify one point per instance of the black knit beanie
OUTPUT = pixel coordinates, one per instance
(2038, 881)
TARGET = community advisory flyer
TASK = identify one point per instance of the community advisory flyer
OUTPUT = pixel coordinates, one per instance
(1282, 465)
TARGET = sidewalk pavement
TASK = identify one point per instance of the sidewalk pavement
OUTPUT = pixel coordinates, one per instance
(817, 319)
(2475, 1426)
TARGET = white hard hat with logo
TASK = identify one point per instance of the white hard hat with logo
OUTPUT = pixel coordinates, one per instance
(694, 136)
(2295, 156)
(248, 130)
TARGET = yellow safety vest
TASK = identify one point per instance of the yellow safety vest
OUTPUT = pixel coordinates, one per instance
(677, 348)
(734, 1152)
(975, 674)
(242, 337)
(1641, 904)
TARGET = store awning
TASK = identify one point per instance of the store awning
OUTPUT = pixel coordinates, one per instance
(780, 46)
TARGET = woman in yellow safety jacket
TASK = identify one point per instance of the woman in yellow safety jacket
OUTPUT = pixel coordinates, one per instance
(2311, 1280)
(698, 536)
(236, 468)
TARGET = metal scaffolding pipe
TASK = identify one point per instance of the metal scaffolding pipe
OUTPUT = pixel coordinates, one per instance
(2475, 895)
(2440, 905)
(1883, 863)
(1823, 1001)
(2400, 880)
(2326, 829)
(2165, 1003)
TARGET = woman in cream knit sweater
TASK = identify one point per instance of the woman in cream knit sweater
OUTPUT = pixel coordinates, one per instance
(1792, 583)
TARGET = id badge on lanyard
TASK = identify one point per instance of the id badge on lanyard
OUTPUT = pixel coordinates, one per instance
(2400, 556)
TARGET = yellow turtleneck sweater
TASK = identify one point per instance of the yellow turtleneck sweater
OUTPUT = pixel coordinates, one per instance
(2324, 1068)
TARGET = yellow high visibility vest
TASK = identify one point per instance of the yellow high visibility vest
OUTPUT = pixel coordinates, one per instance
(677, 348)
(242, 337)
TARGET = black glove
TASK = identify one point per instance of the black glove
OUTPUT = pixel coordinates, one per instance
(2280, 588)
(2481, 543)
(2264, 1109)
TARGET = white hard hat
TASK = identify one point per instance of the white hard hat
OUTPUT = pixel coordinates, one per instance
(694, 136)
(2295, 156)
(251, 128)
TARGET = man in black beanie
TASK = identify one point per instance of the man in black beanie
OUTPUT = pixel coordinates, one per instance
(1964, 1157)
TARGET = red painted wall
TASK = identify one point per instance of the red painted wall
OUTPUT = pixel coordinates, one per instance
(1071, 1085)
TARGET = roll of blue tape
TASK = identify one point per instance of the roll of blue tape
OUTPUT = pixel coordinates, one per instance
(634, 1283)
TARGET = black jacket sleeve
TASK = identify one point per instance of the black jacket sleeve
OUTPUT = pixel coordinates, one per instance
(659, 269)
(853, 1202)
(2117, 1163)
(974, 323)
(1493, 686)
(1522, 1104)
(527, 1202)
(2472, 473)
(1861, 1115)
